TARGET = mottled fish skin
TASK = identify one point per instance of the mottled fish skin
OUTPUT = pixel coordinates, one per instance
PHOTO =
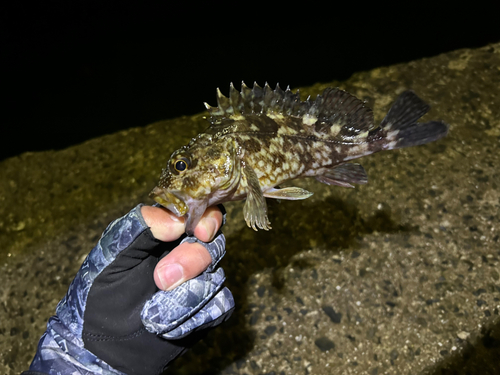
(260, 138)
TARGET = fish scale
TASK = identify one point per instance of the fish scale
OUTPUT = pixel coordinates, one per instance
(259, 138)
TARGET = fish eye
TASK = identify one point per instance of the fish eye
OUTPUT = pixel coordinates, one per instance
(181, 164)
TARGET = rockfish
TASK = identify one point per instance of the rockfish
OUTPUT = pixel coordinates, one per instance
(260, 138)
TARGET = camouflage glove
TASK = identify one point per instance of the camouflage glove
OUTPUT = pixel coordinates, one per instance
(114, 320)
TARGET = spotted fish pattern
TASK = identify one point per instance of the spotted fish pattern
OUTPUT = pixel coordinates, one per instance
(260, 138)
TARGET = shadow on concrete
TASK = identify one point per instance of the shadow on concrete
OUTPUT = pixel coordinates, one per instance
(480, 355)
(331, 224)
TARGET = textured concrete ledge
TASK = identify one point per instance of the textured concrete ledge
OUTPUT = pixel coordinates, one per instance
(400, 276)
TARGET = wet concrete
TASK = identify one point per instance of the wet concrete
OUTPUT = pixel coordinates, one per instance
(400, 276)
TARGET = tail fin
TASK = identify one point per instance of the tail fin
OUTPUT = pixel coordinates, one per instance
(400, 129)
(420, 134)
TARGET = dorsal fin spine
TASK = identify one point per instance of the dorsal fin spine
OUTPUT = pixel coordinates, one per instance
(234, 98)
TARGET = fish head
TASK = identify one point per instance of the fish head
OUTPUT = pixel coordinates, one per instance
(197, 176)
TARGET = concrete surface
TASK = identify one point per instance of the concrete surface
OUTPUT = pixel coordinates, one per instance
(400, 276)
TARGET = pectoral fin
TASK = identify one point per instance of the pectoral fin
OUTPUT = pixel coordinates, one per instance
(291, 193)
(255, 208)
(344, 175)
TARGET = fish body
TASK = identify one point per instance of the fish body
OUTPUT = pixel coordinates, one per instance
(260, 138)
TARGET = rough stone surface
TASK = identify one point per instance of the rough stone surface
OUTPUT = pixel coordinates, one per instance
(400, 276)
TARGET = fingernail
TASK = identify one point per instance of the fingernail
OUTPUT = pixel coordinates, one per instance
(213, 228)
(171, 276)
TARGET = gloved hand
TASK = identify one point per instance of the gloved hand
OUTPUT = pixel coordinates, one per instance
(114, 319)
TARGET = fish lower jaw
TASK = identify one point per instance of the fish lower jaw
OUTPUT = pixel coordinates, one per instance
(169, 201)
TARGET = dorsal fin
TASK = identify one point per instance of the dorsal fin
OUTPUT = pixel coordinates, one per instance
(334, 108)
(343, 111)
(257, 101)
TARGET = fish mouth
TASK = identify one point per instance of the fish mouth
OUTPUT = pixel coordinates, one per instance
(192, 213)
(170, 201)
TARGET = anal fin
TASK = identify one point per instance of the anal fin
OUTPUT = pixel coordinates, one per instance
(344, 175)
(290, 193)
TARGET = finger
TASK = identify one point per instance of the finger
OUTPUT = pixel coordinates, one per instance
(164, 225)
(209, 224)
(167, 227)
(189, 259)
(184, 262)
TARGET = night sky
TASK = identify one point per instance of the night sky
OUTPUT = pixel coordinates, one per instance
(75, 70)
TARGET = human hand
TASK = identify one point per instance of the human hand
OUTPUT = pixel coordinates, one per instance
(114, 318)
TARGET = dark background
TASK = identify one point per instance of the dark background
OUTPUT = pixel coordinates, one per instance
(74, 70)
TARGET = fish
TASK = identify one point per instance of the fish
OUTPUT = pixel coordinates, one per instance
(260, 138)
